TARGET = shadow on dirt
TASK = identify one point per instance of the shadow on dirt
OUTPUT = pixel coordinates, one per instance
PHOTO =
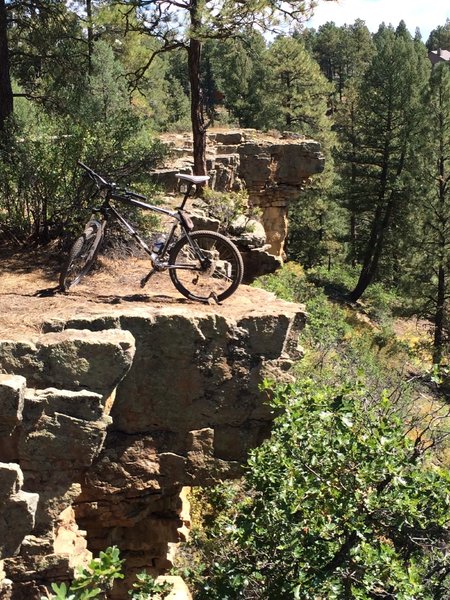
(166, 299)
(26, 260)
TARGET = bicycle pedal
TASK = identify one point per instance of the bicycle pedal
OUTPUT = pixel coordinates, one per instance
(147, 277)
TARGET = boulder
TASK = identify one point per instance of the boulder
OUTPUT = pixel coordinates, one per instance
(18, 510)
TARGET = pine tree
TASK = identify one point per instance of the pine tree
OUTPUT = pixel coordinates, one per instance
(388, 136)
(435, 249)
(351, 190)
(240, 72)
(343, 53)
(440, 37)
(297, 91)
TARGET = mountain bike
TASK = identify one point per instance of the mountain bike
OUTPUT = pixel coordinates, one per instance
(203, 265)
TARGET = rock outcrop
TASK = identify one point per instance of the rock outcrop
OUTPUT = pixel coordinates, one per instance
(108, 414)
(57, 395)
(272, 168)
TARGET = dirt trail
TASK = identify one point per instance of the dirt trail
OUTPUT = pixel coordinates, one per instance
(28, 297)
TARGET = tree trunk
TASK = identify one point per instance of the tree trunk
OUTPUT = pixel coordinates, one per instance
(381, 223)
(365, 277)
(441, 213)
(197, 108)
(374, 249)
(438, 340)
(90, 34)
(6, 94)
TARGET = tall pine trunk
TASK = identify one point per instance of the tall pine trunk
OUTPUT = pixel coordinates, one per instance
(389, 120)
(371, 257)
(379, 225)
(439, 314)
(6, 94)
(197, 108)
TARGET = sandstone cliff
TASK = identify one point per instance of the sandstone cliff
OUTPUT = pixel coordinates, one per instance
(109, 407)
(273, 168)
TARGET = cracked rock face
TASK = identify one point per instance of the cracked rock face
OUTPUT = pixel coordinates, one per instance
(272, 168)
(106, 417)
(18, 509)
(50, 436)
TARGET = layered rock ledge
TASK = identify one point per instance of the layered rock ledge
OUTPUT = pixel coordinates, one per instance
(273, 168)
(109, 410)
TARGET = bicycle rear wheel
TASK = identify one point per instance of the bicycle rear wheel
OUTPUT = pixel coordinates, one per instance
(82, 255)
(212, 264)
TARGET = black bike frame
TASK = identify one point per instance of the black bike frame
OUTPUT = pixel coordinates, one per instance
(133, 199)
(106, 208)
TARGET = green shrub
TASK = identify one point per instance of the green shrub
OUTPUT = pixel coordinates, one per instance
(289, 283)
(326, 326)
(43, 193)
(380, 302)
(97, 579)
(341, 503)
(340, 277)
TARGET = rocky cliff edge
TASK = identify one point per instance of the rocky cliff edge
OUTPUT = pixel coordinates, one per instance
(109, 407)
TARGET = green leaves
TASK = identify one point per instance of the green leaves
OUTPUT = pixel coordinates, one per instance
(99, 574)
(341, 505)
(146, 587)
(62, 593)
(97, 579)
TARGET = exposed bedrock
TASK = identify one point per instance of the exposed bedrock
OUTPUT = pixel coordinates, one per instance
(273, 168)
(54, 401)
(107, 417)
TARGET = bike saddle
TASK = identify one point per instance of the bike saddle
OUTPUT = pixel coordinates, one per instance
(193, 178)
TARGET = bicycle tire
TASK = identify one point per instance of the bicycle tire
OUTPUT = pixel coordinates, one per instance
(217, 279)
(82, 255)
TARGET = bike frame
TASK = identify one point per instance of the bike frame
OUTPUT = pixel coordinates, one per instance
(211, 263)
(178, 215)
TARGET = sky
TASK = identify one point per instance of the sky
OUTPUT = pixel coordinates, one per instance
(425, 14)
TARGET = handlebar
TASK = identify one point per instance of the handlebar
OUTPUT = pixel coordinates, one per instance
(103, 184)
(94, 176)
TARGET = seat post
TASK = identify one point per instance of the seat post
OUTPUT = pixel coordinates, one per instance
(191, 180)
(187, 194)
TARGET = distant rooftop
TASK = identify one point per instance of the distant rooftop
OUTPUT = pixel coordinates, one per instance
(439, 55)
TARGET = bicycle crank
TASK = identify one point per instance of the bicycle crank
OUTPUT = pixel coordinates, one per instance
(145, 279)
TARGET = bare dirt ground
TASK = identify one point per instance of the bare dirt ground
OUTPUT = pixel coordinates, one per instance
(29, 296)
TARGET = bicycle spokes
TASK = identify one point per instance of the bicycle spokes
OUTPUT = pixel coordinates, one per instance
(215, 261)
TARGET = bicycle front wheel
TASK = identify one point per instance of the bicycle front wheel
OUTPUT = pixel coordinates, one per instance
(82, 255)
(205, 265)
